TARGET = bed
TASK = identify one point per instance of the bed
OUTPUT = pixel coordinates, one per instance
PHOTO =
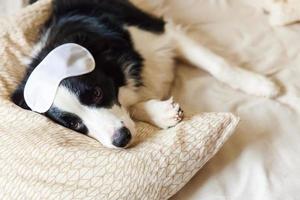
(261, 161)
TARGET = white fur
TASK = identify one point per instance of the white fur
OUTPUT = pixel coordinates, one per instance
(101, 122)
(163, 114)
(237, 78)
(195, 53)
(161, 49)
(159, 53)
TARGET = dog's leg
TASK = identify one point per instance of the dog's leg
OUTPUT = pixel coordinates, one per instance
(237, 78)
(163, 114)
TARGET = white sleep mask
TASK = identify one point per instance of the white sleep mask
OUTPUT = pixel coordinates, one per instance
(65, 61)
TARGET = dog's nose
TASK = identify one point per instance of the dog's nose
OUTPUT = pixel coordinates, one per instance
(121, 137)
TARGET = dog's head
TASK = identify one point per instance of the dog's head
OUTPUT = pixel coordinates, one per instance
(92, 104)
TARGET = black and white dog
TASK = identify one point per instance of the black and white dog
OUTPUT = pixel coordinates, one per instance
(134, 53)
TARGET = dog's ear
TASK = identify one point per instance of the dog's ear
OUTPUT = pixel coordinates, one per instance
(18, 98)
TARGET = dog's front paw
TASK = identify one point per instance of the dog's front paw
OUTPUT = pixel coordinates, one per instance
(166, 113)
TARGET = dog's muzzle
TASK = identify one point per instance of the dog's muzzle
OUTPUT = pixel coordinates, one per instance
(122, 137)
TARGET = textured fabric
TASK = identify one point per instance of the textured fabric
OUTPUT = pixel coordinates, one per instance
(42, 160)
(283, 11)
(261, 161)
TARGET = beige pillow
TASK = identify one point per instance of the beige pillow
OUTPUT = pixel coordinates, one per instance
(42, 160)
(283, 12)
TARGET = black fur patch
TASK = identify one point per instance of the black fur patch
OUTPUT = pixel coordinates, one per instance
(67, 120)
(120, 10)
(32, 1)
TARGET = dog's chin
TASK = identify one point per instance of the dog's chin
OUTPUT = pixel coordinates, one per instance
(109, 143)
(111, 146)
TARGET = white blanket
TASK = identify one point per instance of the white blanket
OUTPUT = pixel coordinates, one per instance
(11, 6)
(283, 11)
(261, 161)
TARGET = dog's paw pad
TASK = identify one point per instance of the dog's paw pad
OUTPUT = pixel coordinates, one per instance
(169, 114)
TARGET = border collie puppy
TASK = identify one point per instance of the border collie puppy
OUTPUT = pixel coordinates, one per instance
(134, 53)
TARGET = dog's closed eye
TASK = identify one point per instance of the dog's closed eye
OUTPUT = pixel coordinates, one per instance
(75, 125)
(72, 122)
(68, 120)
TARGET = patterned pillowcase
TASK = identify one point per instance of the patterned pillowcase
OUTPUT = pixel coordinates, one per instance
(283, 12)
(41, 160)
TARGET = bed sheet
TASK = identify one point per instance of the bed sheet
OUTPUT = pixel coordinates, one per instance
(11, 6)
(261, 161)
